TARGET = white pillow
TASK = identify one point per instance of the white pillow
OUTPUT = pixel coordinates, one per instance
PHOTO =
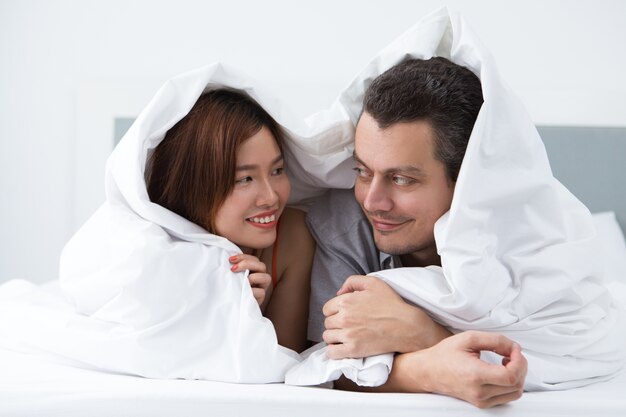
(614, 245)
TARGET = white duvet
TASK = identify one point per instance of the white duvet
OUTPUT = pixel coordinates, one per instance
(145, 292)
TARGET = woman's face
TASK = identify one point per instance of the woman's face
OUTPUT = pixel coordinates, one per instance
(250, 213)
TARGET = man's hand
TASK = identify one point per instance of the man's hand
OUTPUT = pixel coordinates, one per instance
(453, 367)
(368, 318)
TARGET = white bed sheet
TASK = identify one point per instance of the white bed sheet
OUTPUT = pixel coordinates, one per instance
(31, 386)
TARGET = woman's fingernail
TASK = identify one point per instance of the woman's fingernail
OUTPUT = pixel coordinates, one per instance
(234, 268)
(233, 258)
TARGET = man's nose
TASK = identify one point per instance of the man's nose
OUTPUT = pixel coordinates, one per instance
(378, 196)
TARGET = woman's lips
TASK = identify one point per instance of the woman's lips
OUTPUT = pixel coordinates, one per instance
(263, 220)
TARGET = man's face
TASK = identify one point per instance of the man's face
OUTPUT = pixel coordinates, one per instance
(402, 189)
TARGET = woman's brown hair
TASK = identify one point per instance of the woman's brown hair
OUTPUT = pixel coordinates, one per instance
(192, 171)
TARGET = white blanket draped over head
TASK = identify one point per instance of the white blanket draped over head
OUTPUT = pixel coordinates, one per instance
(145, 291)
(148, 293)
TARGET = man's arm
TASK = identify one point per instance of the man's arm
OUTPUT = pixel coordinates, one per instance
(453, 367)
(368, 318)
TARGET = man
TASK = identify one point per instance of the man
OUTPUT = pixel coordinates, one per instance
(409, 144)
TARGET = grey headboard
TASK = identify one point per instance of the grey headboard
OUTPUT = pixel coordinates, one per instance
(591, 163)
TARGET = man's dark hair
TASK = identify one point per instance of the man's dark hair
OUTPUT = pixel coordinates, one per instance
(436, 90)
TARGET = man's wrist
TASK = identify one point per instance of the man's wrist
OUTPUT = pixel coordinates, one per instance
(420, 328)
(429, 332)
(410, 373)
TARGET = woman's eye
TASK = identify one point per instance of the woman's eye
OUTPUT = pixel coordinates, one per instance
(243, 180)
(400, 180)
(278, 171)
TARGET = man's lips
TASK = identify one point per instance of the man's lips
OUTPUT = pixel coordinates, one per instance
(386, 225)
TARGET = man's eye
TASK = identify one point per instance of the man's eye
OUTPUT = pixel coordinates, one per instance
(400, 180)
(360, 172)
(243, 180)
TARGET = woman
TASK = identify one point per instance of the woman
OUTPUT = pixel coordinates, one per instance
(222, 167)
(151, 284)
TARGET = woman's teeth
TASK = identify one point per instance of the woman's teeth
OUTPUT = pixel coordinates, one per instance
(262, 220)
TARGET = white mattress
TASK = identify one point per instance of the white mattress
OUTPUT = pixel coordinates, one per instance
(31, 386)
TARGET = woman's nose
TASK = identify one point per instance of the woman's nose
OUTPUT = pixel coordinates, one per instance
(267, 194)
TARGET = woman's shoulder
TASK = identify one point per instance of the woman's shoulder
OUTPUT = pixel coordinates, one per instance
(292, 222)
(294, 235)
(295, 246)
(292, 214)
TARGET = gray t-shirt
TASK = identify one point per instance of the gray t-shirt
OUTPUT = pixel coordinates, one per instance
(345, 246)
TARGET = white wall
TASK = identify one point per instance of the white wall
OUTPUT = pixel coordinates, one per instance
(67, 66)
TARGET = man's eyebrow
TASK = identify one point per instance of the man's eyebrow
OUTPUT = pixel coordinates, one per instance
(409, 169)
(249, 167)
(358, 160)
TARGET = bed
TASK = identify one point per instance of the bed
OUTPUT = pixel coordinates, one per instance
(34, 386)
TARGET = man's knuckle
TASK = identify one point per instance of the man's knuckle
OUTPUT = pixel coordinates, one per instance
(512, 379)
(327, 308)
(344, 301)
(475, 380)
(349, 318)
(471, 337)
(327, 323)
(351, 334)
(331, 352)
(475, 387)
(482, 404)
(351, 349)
(355, 346)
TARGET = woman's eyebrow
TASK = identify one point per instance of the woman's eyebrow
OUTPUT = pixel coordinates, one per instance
(249, 167)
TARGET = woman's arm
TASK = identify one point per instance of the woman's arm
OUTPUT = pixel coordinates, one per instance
(288, 306)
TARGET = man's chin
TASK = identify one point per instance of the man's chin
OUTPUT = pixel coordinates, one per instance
(389, 246)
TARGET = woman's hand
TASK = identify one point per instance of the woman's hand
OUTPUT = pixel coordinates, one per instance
(259, 279)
